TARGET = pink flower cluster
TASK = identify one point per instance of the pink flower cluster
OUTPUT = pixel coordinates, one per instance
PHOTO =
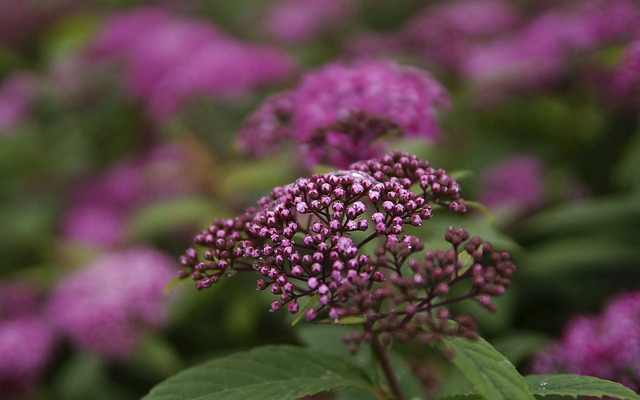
(514, 184)
(337, 244)
(337, 113)
(169, 60)
(297, 21)
(605, 346)
(26, 340)
(101, 208)
(107, 306)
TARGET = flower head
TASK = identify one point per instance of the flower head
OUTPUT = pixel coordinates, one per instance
(338, 112)
(341, 238)
(170, 60)
(514, 184)
(296, 21)
(605, 346)
(107, 306)
(25, 346)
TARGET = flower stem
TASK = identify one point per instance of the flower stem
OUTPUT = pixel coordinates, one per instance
(385, 361)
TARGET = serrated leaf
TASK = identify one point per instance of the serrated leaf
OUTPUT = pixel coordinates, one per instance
(491, 375)
(578, 385)
(271, 372)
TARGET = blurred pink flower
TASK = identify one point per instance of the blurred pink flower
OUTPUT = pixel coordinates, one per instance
(26, 343)
(540, 54)
(26, 340)
(514, 184)
(337, 112)
(626, 78)
(169, 60)
(296, 21)
(109, 305)
(16, 96)
(101, 207)
(442, 34)
(605, 346)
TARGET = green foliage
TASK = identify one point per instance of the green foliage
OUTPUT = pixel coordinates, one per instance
(491, 375)
(577, 385)
(272, 372)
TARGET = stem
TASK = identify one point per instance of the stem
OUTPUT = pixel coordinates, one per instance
(385, 362)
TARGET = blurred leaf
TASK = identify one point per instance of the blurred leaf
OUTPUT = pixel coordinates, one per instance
(518, 346)
(69, 34)
(576, 385)
(271, 372)
(155, 357)
(83, 377)
(578, 254)
(594, 215)
(489, 372)
(170, 214)
(625, 173)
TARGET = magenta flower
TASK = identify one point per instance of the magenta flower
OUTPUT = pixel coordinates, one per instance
(26, 344)
(442, 34)
(514, 184)
(540, 53)
(101, 208)
(26, 340)
(107, 307)
(605, 346)
(297, 21)
(169, 60)
(338, 112)
(337, 244)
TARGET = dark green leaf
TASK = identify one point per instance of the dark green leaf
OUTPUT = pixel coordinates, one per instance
(489, 372)
(273, 372)
(577, 385)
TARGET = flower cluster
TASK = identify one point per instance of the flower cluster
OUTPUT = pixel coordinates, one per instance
(338, 112)
(105, 307)
(514, 184)
(340, 243)
(298, 21)
(101, 207)
(26, 340)
(170, 60)
(605, 346)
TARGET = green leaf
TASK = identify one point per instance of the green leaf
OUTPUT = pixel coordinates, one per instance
(463, 397)
(489, 372)
(272, 372)
(577, 385)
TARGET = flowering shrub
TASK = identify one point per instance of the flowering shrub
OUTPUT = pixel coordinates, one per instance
(124, 127)
(338, 113)
(310, 239)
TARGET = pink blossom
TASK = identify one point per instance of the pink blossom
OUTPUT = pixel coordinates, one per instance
(605, 346)
(26, 344)
(100, 208)
(107, 306)
(514, 184)
(443, 33)
(296, 21)
(169, 60)
(626, 78)
(338, 112)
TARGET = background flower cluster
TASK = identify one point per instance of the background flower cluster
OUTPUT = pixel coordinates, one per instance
(126, 127)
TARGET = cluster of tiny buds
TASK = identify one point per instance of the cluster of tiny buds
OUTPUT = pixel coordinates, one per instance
(337, 243)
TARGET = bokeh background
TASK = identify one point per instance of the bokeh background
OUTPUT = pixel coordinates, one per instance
(119, 126)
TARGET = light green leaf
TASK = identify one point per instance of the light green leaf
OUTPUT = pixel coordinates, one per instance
(577, 385)
(272, 372)
(491, 375)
